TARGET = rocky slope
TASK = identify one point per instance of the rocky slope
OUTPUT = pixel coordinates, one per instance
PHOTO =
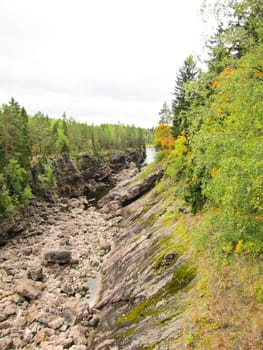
(147, 276)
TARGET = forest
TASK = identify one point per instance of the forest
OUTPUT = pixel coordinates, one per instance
(26, 140)
(212, 134)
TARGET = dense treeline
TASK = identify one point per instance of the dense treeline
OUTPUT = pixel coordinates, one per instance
(215, 141)
(53, 137)
(25, 140)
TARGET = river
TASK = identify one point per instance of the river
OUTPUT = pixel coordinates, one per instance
(150, 154)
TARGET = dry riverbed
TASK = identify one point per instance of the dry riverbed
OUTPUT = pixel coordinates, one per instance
(49, 277)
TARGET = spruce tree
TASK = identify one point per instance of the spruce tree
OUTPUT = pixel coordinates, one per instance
(165, 114)
(181, 103)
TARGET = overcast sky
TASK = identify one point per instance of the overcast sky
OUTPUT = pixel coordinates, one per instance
(100, 61)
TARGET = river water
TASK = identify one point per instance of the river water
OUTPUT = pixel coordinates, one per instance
(150, 154)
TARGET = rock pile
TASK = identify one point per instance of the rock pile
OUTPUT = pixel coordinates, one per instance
(45, 273)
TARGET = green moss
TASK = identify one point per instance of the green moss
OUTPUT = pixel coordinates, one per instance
(189, 339)
(146, 308)
(181, 278)
(125, 334)
(177, 241)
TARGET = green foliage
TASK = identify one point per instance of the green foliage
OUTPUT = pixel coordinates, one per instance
(232, 139)
(6, 205)
(149, 135)
(14, 138)
(18, 183)
(39, 139)
(218, 162)
(46, 180)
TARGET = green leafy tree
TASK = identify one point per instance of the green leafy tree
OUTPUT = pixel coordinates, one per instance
(229, 145)
(18, 183)
(239, 30)
(6, 204)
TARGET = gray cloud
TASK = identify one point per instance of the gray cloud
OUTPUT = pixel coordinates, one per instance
(97, 60)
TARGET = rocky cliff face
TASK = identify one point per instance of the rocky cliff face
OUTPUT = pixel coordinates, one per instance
(88, 177)
(85, 176)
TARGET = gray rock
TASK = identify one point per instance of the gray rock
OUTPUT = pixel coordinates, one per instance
(78, 334)
(70, 315)
(169, 258)
(94, 321)
(5, 325)
(183, 210)
(51, 221)
(68, 288)
(94, 262)
(28, 335)
(56, 323)
(105, 245)
(35, 271)
(3, 317)
(6, 343)
(67, 343)
(10, 310)
(57, 256)
(28, 289)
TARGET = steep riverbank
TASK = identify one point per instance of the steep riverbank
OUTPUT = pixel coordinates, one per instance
(147, 277)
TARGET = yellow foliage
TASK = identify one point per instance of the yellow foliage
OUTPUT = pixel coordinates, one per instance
(180, 146)
(227, 71)
(163, 137)
(215, 172)
(238, 246)
(215, 84)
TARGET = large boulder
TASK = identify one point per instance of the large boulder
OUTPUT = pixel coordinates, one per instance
(28, 289)
(58, 256)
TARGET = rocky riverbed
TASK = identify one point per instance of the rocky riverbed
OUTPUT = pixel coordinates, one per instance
(49, 274)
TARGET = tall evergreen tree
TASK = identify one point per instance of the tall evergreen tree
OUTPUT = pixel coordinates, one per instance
(24, 140)
(180, 105)
(7, 139)
(165, 114)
